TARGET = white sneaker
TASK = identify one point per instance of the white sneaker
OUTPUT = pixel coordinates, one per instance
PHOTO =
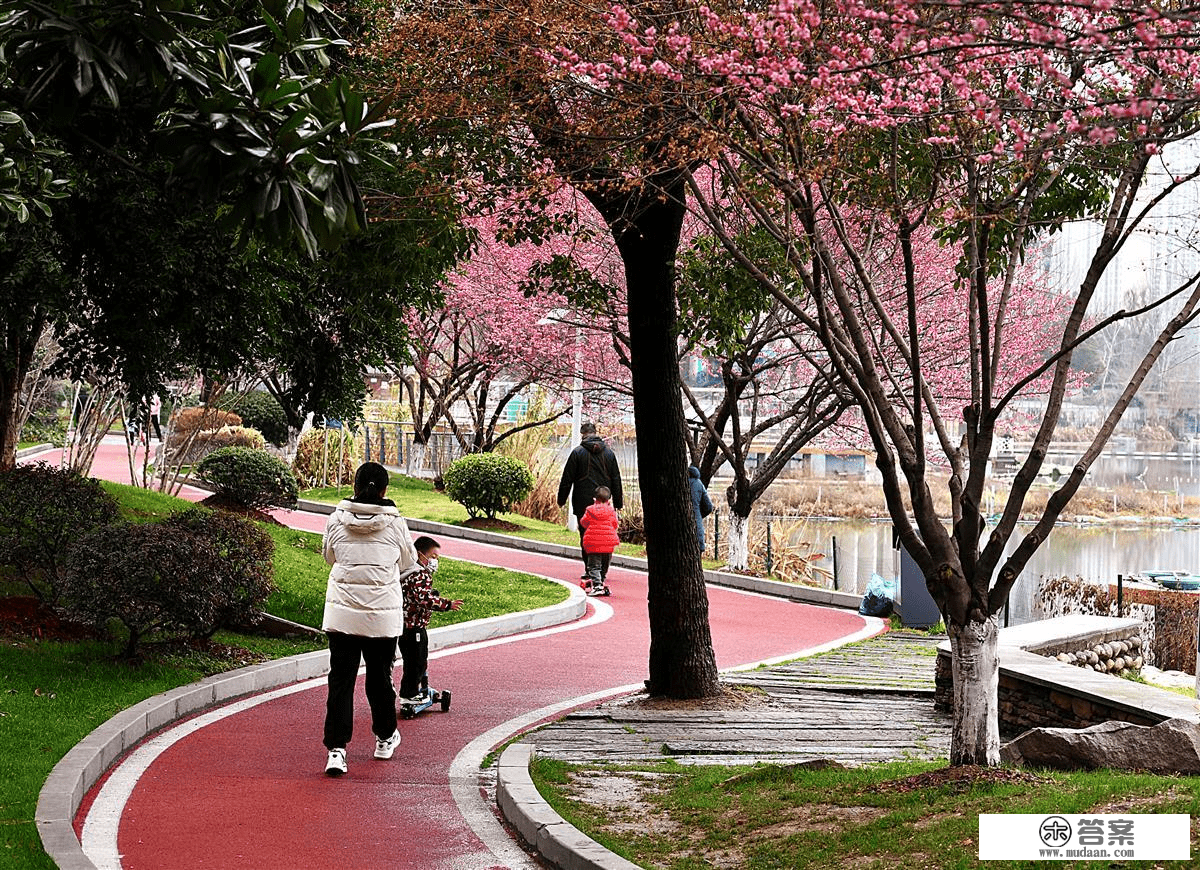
(336, 764)
(385, 748)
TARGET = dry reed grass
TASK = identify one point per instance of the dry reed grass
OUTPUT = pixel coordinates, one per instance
(861, 500)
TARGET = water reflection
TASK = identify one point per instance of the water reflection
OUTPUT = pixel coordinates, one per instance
(1094, 553)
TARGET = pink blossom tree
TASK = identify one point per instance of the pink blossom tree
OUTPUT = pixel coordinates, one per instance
(986, 125)
(503, 329)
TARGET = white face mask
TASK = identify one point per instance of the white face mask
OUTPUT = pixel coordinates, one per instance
(432, 565)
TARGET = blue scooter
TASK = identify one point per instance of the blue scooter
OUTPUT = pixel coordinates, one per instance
(429, 697)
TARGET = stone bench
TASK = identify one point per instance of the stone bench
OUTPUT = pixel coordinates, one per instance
(1038, 690)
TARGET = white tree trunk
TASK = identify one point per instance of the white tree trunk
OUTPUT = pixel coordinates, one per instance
(417, 461)
(739, 542)
(975, 664)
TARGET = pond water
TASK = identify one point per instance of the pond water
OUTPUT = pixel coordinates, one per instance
(1098, 552)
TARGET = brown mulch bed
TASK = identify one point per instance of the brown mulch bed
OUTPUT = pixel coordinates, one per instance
(494, 525)
(27, 617)
(958, 779)
(220, 503)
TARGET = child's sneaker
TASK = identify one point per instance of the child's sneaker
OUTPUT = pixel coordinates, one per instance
(385, 748)
(335, 765)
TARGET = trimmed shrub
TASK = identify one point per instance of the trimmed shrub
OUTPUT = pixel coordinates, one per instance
(137, 575)
(241, 577)
(235, 436)
(193, 432)
(251, 478)
(184, 577)
(263, 412)
(487, 484)
(200, 418)
(42, 510)
(317, 453)
(152, 578)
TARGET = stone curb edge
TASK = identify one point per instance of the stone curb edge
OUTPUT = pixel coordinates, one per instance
(88, 760)
(746, 583)
(33, 450)
(554, 838)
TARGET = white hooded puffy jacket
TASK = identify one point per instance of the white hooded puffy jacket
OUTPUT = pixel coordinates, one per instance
(368, 545)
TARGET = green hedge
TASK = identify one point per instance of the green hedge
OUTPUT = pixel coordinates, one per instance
(253, 478)
(487, 484)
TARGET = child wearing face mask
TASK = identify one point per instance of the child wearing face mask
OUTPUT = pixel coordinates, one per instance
(420, 600)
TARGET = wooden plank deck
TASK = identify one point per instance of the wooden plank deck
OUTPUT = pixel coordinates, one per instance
(872, 701)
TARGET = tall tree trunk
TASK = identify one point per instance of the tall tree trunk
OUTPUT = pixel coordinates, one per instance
(19, 345)
(741, 502)
(682, 663)
(975, 665)
(738, 542)
(10, 406)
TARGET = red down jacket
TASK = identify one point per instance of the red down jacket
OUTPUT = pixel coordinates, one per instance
(599, 528)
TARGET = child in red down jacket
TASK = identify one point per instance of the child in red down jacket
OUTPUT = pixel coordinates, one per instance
(599, 524)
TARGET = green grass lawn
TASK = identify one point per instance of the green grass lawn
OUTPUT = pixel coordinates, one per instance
(53, 693)
(418, 499)
(789, 818)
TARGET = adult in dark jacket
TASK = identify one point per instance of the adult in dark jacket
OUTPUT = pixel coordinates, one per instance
(590, 465)
(702, 505)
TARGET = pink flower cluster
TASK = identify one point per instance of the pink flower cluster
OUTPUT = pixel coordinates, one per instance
(974, 66)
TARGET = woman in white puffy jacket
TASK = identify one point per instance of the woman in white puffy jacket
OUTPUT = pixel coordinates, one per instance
(368, 544)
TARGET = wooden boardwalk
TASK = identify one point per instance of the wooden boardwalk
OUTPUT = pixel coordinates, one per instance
(871, 701)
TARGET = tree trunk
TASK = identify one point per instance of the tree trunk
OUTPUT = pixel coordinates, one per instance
(414, 465)
(975, 665)
(682, 663)
(738, 541)
(18, 348)
(10, 404)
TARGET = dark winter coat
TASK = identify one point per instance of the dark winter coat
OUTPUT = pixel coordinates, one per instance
(599, 524)
(702, 505)
(590, 465)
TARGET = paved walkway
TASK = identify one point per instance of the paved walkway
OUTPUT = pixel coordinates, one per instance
(243, 785)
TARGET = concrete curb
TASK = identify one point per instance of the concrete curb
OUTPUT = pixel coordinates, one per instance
(34, 450)
(556, 840)
(87, 761)
(746, 583)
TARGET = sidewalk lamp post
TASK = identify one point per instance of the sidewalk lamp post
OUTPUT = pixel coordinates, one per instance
(559, 316)
(576, 420)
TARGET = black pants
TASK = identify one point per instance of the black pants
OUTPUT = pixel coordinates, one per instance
(345, 652)
(414, 650)
(597, 565)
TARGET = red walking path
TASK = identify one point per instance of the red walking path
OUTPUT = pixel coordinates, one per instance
(244, 785)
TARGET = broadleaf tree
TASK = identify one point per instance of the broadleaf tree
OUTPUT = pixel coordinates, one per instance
(193, 132)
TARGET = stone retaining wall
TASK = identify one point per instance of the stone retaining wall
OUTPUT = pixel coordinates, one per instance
(1112, 657)
(1048, 678)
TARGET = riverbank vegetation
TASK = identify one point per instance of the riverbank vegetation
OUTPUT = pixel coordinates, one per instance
(862, 500)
